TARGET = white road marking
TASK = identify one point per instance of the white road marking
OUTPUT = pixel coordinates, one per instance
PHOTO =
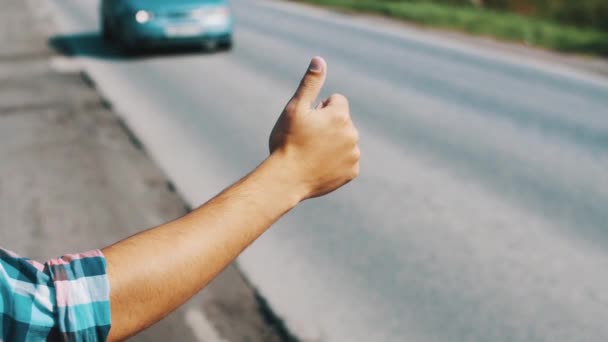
(201, 327)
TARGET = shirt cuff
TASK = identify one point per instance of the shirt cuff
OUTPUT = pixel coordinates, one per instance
(82, 296)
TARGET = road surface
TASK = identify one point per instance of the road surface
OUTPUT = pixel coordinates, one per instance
(481, 210)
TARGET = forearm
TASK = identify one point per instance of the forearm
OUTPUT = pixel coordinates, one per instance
(313, 152)
(154, 272)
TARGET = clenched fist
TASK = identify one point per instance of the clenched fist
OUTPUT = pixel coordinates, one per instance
(319, 145)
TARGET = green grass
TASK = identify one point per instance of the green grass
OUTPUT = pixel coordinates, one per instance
(501, 25)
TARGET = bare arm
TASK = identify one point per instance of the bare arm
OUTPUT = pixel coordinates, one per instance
(313, 152)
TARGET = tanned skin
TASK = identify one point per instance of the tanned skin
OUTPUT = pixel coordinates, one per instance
(313, 151)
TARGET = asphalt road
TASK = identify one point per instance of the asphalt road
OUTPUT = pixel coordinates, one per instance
(481, 210)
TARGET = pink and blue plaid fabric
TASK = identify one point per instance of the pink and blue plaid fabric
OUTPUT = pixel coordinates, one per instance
(64, 299)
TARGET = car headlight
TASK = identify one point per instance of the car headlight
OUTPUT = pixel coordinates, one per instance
(219, 11)
(217, 15)
(143, 16)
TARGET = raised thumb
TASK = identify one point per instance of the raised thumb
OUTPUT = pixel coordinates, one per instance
(311, 83)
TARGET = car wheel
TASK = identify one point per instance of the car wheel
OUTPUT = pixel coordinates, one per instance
(225, 45)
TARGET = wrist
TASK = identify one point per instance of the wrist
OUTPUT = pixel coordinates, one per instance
(283, 173)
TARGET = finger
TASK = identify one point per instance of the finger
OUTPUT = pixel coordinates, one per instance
(311, 83)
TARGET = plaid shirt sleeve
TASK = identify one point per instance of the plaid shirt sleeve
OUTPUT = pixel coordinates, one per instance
(64, 299)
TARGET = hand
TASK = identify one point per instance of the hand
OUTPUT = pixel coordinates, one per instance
(313, 152)
(319, 146)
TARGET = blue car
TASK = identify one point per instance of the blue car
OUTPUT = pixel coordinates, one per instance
(137, 24)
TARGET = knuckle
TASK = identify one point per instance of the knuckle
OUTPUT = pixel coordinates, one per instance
(339, 99)
(354, 134)
(343, 116)
(351, 136)
(340, 109)
(292, 107)
(355, 171)
(357, 153)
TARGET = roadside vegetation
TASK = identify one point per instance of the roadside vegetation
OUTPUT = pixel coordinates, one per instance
(565, 25)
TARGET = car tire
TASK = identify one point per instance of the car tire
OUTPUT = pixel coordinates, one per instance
(226, 45)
